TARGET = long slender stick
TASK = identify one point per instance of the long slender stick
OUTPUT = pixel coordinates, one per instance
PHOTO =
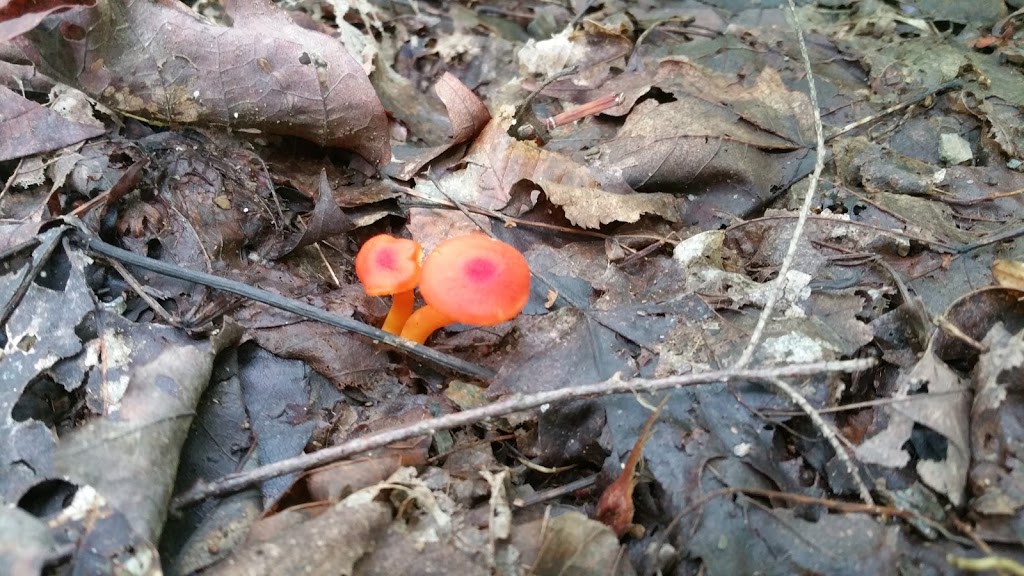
(787, 263)
(829, 434)
(301, 308)
(516, 403)
(805, 210)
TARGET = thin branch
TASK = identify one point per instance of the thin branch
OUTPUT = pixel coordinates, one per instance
(302, 309)
(787, 263)
(515, 403)
(829, 434)
(805, 210)
(896, 108)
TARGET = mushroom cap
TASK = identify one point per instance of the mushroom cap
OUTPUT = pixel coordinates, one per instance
(474, 279)
(388, 265)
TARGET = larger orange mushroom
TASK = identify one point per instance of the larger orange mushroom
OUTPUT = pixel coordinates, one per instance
(469, 279)
(389, 266)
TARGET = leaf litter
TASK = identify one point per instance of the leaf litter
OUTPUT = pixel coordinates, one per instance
(264, 144)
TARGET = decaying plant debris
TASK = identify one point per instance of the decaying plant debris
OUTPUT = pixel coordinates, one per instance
(800, 243)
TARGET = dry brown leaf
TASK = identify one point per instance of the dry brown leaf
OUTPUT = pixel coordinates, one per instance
(466, 111)
(768, 104)
(570, 543)
(1009, 274)
(1006, 120)
(591, 207)
(162, 62)
(20, 16)
(331, 543)
(691, 141)
(944, 408)
(467, 115)
(504, 161)
(498, 162)
(29, 128)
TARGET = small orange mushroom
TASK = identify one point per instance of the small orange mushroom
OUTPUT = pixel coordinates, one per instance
(389, 266)
(470, 279)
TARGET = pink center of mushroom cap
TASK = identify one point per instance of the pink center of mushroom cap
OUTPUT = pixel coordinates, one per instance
(387, 265)
(473, 279)
(386, 259)
(480, 270)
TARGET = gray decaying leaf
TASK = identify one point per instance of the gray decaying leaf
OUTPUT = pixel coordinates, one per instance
(40, 333)
(995, 419)
(130, 456)
(331, 543)
(944, 408)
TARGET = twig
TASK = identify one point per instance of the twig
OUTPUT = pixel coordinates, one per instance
(860, 405)
(931, 244)
(985, 198)
(951, 329)
(895, 108)
(986, 563)
(141, 291)
(515, 403)
(829, 434)
(47, 243)
(10, 182)
(991, 239)
(787, 263)
(591, 108)
(838, 505)
(327, 264)
(556, 492)
(805, 210)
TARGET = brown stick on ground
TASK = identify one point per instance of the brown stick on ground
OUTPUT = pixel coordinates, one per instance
(615, 508)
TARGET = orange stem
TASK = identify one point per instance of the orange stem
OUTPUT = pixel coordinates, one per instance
(401, 309)
(423, 323)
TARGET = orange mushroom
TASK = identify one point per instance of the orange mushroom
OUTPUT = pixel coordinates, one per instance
(472, 280)
(389, 266)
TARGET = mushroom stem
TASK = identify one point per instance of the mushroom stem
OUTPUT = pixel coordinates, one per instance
(423, 323)
(401, 308)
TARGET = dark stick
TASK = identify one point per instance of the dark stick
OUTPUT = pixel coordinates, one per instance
(302, 309)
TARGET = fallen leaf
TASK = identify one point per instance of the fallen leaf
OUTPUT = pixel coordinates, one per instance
(570, 543)
(996, 467)
(1009, 274)
(161, 61)
(29, 128)
(592, 207)
(326, 220)
(20, 16)
(943, 408)
(312, 546)
(24, 541)
(467, 115)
